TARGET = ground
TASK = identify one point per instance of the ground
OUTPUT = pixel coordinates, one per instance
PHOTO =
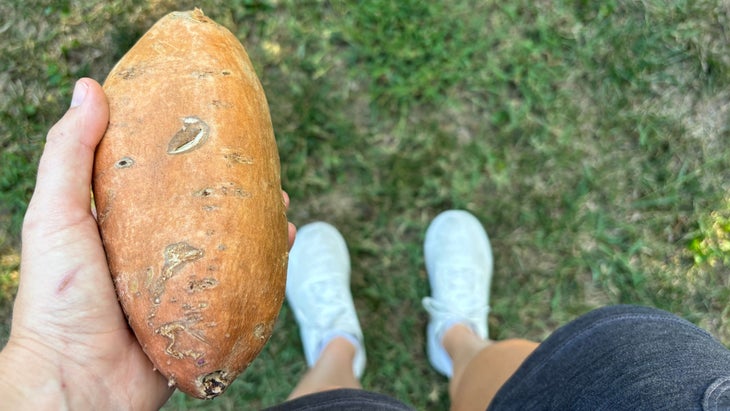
(590, 138)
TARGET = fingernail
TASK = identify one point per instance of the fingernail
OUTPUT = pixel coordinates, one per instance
(79, 93)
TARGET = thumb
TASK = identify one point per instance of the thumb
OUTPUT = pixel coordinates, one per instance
(62, 192)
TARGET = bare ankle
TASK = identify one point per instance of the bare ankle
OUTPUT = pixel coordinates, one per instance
(332, 370)
(460, 336)
(339, 347)
(462, 344)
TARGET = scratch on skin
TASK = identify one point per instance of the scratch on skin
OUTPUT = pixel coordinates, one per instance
(66, 281)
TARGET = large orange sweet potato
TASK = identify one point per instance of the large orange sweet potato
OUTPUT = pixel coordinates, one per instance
(189, 203)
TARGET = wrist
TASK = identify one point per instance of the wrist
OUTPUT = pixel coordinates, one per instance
(28, 380)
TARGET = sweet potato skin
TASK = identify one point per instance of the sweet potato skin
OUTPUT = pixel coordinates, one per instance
(189, 205)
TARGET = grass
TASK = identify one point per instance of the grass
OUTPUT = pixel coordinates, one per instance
(590, 138)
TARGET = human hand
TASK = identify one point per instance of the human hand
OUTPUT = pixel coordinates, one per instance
(70, 345)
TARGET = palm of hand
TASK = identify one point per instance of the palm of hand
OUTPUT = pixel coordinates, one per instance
(68, 328)
(67, 313)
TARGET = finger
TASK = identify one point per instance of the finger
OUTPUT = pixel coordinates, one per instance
(64, 172)
(292, 228)
(292, 234)
(286, 199)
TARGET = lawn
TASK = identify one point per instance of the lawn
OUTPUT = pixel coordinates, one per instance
(590, 137)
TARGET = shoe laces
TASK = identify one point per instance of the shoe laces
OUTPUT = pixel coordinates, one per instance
(463, 302)
(326, 303)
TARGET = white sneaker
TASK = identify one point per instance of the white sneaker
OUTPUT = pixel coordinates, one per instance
(318, 291)
(459, 265)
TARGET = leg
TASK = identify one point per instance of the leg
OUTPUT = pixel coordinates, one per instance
(463, 346)
(481, 366)
(318, 291)
(332, 370)
(459, 264)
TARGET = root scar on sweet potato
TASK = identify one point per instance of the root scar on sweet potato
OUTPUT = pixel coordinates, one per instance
(215, 383)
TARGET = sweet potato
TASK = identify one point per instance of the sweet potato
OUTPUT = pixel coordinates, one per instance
(189, 203)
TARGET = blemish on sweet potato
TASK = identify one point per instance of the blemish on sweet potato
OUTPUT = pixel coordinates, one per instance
(231, 189)
(221, 104)
(223, 190)
(237, 158)
(195, 286)
(176, 256)
(124, 162)
(149, 277)
(192, 135)
(199, 16)
(202, 74)
(259, 331)
(171, 331)
(205, 192)
(130, 73)
(104, 213)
